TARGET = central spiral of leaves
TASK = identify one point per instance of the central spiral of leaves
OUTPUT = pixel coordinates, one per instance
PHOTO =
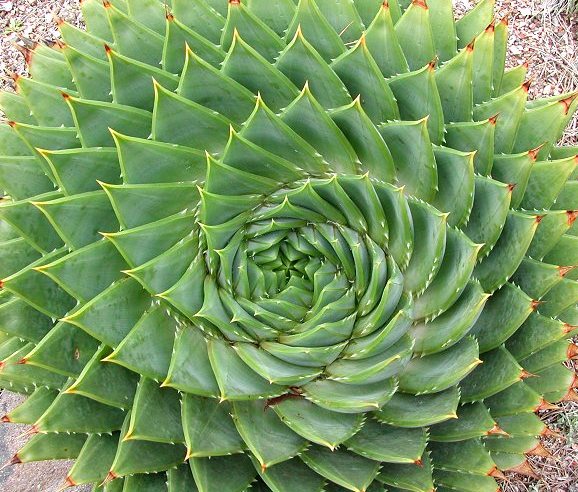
(305, 278)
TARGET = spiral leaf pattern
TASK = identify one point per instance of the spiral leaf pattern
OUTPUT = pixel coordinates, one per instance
(285, 246)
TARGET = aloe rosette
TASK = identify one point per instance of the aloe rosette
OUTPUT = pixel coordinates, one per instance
(288, 246)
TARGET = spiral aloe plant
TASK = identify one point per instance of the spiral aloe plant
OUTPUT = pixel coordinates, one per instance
(288, 246)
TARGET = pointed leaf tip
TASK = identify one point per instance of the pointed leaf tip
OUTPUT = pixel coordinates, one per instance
(571, 353)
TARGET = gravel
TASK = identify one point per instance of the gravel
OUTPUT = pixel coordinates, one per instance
(539, 35)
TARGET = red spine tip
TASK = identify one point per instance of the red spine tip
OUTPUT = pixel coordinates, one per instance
(533, 154)
(511, 187)
(567, 328)
(69, 482)
(539, 218)
(418, 462)
(24, 360)
(493, 119)
(170, 17)
(12, 124)
(534, 304)
(420, 3)
(563, 270)
(470, 47)
(234, 2)
(526, 85)
(15, 460)
(572, 352)
(385, 4)
(491, 27)
(106, 4)
(65, 95)
(496, 473)
(526, 65)
(567, 103)
(571, 215)
(6, 419)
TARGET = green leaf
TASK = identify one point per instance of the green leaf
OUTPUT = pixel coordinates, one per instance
(503, 314)
(452, 325)
(456, 268)
(475, 137)
(516, 399)
(133, 39)
(107, 383)
(429, 227)
(134, 456)
(283, 476)
(273, 369)
(200, 17)
(53, 446)
(209, 476)
(132, 81)
(412, 153)
(495, 269)
(418, 97)
(470, 455)
(367, 142)
(391, 444)
(90, 71)
(302, 64)
(317, 29)
(64, 350)
(180, 38)
(510, 108)
(362, 76)
(253, 30)
(147, 349)
(206, 85)
(190, 369)
(235, 379)
(95, 459)
(308, 119)
(382, 41)
(498, 371)
(470, 421)
(546, 181)
(79, 219)
(94, 119)
(184, 122)
(208, 427)
(415, 34)
(78, 170)
(454, 80)
(342, 467)
(249, 68)
(316, 424)
(75, 413)
(437, 372)
(155, 415)
(181, 478)
(514, 169)
(474, 22)
(489, 213)
(349, 398)
(109, 316)
(414, 477)
(162, 200)
(146, 242)
(536, 333)
(266, 435)
(31, 409)
(405, 410)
